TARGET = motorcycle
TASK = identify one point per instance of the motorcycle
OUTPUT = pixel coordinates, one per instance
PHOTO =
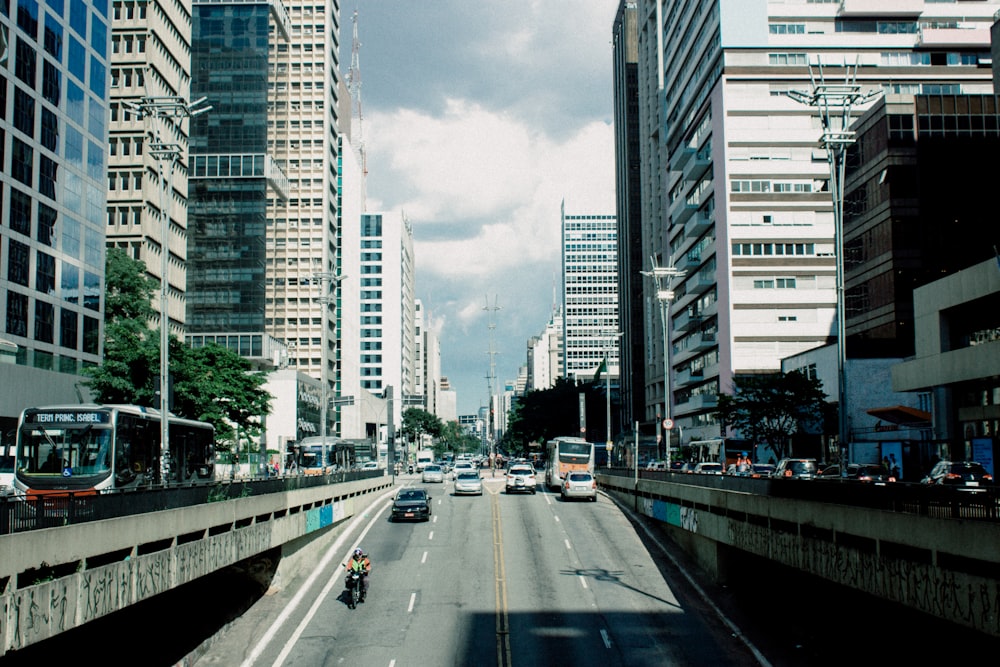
(355, 588)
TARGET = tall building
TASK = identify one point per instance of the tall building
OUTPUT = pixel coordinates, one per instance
(427, 352)
(628, 209)
(590, 294)
(387, 316)
(148, 164)
(744, 207)
(54, 83)
(545, 355)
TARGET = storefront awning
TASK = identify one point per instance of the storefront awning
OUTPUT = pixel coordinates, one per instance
(901, 414)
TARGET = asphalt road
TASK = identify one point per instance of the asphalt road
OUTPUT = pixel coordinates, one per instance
(492, 580)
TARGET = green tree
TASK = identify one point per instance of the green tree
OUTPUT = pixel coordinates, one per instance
(543, 414)
(456, 439)
(417, 422)
(771, 408)
(210, 383)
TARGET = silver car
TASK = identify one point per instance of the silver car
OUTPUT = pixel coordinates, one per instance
(579, 485)
(433, 473)
(468, 484)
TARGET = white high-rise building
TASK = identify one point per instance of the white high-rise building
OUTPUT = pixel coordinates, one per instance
(590, 294)
(735, 187)
(427, 349)
(387, 306)
(545, 355)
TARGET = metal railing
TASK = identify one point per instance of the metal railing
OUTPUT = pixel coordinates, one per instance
(62, 509)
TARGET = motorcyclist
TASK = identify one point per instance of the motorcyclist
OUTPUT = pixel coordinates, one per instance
(359, 562)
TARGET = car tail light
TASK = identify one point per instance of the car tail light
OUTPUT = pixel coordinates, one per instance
(952, 475)
(593, 484)
(987, 477)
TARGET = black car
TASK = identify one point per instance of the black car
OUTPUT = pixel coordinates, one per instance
(964, 475)
(859, 472)
(411, 504)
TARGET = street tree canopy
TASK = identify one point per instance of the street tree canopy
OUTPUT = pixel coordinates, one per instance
(770, 409)
(417, 422)
(210, 383)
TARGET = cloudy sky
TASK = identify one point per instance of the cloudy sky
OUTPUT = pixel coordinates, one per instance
(480, 118)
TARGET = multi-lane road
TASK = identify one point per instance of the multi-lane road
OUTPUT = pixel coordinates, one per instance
(492, 580)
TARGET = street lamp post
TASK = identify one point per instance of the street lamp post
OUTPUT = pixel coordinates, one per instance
(325, 300)
(835, 103)
(607, 388)
(663, 275)
(176, 109)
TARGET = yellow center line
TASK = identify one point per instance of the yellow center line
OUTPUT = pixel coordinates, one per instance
(502, 618)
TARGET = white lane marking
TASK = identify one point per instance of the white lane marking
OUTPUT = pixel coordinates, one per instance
(392, 663)
(435, 519)
(413, 600)
(568, 545)
(431, 536)
(556, 518)
(301, 593)
(606, 638)
(583, 581)
(424, 559)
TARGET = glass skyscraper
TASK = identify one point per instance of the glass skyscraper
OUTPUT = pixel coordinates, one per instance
(53, 193)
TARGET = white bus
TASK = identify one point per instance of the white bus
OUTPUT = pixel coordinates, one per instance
(566, 454)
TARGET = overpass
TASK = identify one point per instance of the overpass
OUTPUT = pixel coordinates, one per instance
(53, 579)
(932, 549)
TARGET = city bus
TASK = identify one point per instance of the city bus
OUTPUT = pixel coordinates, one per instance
(315, 458)
(96, 448)
(566, 454)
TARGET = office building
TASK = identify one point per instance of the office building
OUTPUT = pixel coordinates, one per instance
(54, 86)
(148, 164)
(741, 200)
(590, 294)
(628, 209)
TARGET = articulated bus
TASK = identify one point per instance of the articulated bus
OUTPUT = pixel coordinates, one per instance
(566, 454)
(96, 448)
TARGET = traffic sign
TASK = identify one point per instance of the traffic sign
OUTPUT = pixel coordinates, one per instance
(668, 424)
(608, 445)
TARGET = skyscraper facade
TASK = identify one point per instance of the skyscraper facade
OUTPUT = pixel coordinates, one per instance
(590, 294)
(744, 206)
(54, 83)
(150, 61)
(628, 209)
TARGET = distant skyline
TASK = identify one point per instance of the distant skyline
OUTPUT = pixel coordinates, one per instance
(479, 120)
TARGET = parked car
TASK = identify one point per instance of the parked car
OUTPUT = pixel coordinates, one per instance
(656, 465)
(708, 468)
(432, 473)
(579, 485)
(789, 468)
(413, 504)
(859, 472)
(468, 484)
(521, 478)
(963, 475)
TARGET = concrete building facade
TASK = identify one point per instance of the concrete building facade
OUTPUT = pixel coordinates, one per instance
(742, 201)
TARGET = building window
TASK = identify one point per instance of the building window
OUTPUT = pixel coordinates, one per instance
(68, 326)
(17, 314)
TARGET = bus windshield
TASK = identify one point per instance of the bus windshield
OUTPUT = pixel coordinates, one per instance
(574, 452)
(64, 451)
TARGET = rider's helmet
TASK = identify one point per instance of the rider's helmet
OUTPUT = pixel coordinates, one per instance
(358, 553)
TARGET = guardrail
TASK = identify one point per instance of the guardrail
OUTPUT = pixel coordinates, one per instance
(62, 509)
(941, 502)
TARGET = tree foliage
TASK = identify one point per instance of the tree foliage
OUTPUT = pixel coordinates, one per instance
(771, 408)
(456, 439)
(543, 414)
(417, 422)
(210, 383)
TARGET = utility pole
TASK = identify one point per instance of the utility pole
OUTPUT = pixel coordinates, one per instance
(490, 379)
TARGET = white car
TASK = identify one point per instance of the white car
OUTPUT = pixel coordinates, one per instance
(370, 465)
(521, 477)
(463, 466)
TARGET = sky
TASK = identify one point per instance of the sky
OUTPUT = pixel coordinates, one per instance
(479, 119)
